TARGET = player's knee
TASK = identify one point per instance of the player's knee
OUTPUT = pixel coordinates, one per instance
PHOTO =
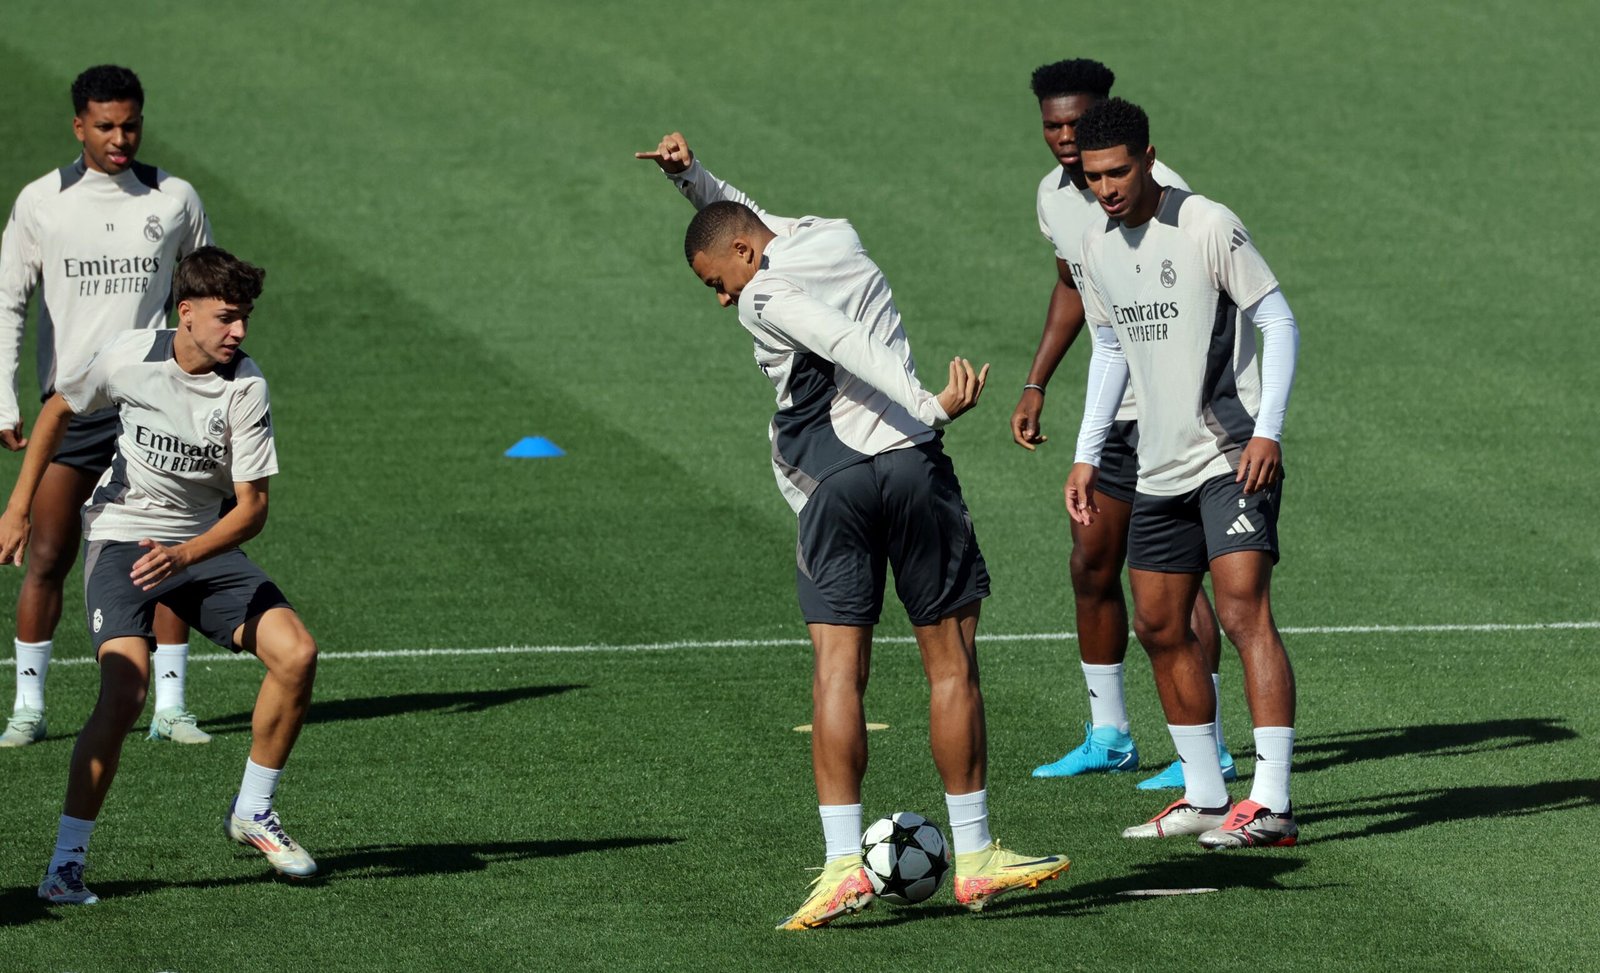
(122, 697)
(1244, 623)
(49, 560)
(1095, 573)
(297, 663)
(1158, 633)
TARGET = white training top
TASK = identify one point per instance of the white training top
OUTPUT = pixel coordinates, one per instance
(104, 248)
(1067, 212)
(1167, 295)
(185, 440)
(828, 335)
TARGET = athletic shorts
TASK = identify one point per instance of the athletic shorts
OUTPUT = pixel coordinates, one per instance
(903, 509)
(1119, 462)
(91, 441)
(1185, 533)
(215, 596)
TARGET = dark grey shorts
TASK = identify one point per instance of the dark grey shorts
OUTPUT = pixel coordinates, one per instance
(1119, 462)
(1184, 534)
(902, 509)
(215, 596)
(91, 441)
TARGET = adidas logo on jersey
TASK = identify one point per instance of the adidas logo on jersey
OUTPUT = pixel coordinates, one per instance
(1241, 525)
(1240, 238)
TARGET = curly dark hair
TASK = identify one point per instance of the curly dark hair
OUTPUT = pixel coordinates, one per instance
(715, 224)
(1111, 123)
(105, 82)
(1078, 76)
(214, 272)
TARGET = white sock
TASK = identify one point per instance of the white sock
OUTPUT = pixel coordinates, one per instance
(1106, 705)
(1202, 768)
(33, 661)
(969, 821)
(72, 841)
(1274, 749)
(169, 670)
(256, 790)
(841, 829)
(1216, 685)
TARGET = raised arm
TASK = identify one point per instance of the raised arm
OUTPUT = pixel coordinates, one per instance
(698, 184)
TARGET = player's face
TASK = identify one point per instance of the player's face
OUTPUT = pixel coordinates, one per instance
(729, 271)
(216, 327)
(109, 131)
(1060, 116)
(1121, 180)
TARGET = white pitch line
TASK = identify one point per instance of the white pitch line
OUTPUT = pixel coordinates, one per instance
(328, 655)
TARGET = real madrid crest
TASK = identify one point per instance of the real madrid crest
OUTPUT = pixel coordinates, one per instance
(152, 229)
(215, 427)
(1169, 276)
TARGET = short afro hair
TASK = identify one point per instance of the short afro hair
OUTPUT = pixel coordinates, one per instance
(715, 224)
(105, 82)
(215, 273)
(1111, 123)
(1078, 76)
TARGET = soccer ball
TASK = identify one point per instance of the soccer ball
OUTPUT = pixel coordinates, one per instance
(906, 857)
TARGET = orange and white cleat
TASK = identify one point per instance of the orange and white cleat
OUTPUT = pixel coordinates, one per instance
(1179, 818)
(992, 871)
(843, 888)
(265, 833)
(1254, 825)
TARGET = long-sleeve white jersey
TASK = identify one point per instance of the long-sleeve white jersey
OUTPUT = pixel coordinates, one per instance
(104, 248)
(1165, 301)
(1066, 213)
(828, 335)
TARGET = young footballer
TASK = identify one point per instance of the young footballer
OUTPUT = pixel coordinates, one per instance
(187, 486)
(96, 241)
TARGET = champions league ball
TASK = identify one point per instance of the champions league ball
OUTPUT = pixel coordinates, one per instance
(906, 857)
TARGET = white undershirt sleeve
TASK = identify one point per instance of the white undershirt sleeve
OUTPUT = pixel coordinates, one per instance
(20, 272)
(1108, 380)
(702, 189)
(1280, 343)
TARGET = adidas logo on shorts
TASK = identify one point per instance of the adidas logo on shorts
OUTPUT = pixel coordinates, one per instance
(1242, 525)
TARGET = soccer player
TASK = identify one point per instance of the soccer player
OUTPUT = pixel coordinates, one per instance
(98, 240)
(195, 432)
(1067, 207)
(1175, 289)
(856, 452)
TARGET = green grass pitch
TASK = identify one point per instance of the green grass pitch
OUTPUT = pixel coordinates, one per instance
(463, 252)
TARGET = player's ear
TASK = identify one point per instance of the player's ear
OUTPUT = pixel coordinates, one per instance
(1149, 157)
(77, 127)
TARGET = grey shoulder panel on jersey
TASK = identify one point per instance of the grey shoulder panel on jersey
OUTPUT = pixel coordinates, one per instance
(161, 348)
(71, 174)
(1171, 202)
(149, 175)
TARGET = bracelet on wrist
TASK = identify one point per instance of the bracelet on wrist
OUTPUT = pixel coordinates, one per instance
(1036, 388)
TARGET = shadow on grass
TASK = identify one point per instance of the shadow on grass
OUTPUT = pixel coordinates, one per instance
(1417, 809)
(1222, 872)
(20, 906)
(400, 704)
(1431, 740)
